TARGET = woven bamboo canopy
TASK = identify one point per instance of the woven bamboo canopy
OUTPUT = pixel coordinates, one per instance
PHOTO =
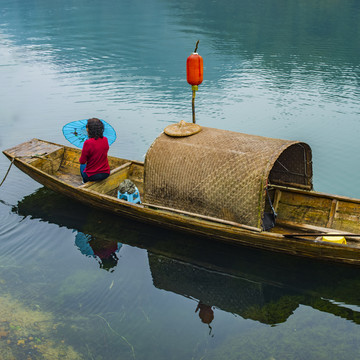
(223, 174)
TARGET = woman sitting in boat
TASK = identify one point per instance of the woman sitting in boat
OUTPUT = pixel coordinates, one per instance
(94, 163)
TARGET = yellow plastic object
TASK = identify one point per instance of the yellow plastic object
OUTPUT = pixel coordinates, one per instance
(334, 239)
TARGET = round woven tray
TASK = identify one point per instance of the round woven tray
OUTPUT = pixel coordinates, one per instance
(181, 129)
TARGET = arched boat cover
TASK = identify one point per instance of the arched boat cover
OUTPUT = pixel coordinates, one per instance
(223, 174)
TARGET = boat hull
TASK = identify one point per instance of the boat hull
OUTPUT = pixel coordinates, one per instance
(99, 196)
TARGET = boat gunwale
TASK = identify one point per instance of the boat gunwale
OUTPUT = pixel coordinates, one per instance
(315, 193)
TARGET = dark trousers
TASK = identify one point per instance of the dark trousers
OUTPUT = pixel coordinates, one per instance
(95, 177)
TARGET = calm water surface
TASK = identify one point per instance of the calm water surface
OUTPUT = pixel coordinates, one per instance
(76, 283)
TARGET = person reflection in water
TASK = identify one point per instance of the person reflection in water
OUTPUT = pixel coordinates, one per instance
(206, 314)
(103, 251)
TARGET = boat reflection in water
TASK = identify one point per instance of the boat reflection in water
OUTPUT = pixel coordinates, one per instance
(256, 285)
(262, 300)
(249, 299)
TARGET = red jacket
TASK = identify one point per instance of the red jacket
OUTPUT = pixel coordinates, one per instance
(94, 155)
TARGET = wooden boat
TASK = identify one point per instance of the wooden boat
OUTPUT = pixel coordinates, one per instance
(217, 184)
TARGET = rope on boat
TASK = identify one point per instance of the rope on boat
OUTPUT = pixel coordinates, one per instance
(12, 161)
(18, 157)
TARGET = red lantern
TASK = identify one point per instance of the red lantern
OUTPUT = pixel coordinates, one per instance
(194, 69)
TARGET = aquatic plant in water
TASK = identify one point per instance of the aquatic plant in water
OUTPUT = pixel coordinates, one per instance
(29, 334)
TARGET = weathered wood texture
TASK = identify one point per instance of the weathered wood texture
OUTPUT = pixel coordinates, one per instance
(129, 170)
(303, 209)
(322, 210)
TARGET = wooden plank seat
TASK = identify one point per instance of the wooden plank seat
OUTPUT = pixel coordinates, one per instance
(306, 228)
(130, 170)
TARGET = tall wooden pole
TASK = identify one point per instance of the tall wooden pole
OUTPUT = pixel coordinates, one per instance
(193, 102)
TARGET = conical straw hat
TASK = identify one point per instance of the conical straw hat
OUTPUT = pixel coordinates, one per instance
(182, 128)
